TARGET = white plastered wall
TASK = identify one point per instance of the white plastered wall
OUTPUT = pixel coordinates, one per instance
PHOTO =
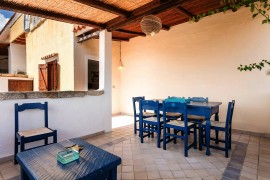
(17, 58)
(201, 59)
(90, 50)
(71, 117)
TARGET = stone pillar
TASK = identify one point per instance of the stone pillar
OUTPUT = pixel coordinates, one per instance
(105, 77)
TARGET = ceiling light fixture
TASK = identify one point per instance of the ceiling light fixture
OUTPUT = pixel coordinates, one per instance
(120, 66)
(151, 24)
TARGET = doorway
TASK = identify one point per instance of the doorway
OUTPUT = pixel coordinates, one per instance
(93, 74)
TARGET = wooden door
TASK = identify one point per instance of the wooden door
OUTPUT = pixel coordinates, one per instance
(52, 76)
(43, 77)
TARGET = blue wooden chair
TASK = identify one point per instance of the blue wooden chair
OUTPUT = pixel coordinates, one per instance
(178, 126)
(43, 133)
(222, 126)
(135, 102)
(150, 125)
(198, 120)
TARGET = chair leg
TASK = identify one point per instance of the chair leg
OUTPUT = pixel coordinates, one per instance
(200, 136)
(22, 146)
(226, 144)
(16, 144)
(141, 132)
(135, 125)
(153, 127)
(164, 137)
(55, 137)
(174, 138)
(230, 138)
(186, 143)
(158, 135)
(195, 137)
(217, 119)
(149, 127)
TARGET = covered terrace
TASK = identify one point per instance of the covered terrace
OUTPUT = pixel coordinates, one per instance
(198, 58)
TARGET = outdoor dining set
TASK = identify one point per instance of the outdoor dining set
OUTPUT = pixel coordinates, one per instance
(176, 118)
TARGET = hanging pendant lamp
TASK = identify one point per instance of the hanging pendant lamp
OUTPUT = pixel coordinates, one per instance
(151, 25)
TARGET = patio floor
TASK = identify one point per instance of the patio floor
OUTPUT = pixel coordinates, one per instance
(249, 158)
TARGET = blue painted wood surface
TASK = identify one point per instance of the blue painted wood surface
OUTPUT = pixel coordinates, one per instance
(135, 100)
(227, 129)
(94, 162)
(182, 109)
(206, 109)
(150, 126)
(21, 140)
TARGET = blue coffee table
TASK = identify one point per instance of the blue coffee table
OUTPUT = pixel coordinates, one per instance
(94, 163)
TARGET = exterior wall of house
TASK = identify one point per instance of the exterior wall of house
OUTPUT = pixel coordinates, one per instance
(52, 37)
(201, 59)
(17, 58)
(17, 29)
(90, 50)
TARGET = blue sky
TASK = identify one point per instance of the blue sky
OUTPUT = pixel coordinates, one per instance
(7, 14)
(4, 17)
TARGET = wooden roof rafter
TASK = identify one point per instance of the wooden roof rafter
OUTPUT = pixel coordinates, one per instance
(184, 11)
(156, 10)
(47, 14)
(131, 32)
(105, 7)
(120, 17)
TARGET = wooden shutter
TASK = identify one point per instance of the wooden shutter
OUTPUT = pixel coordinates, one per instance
(55, 75)
(43, 77)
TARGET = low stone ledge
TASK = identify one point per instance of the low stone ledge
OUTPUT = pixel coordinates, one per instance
(51, 94)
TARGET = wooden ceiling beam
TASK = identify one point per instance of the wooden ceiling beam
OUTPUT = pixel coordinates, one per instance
(20, 39)
(18, 42)
(165, 27)
(120, 39)
(131, 32)
(167, 5)
(47, 14)
(184, 12)
(105, 7)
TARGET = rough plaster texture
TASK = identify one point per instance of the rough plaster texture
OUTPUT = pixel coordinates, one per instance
(201, 59)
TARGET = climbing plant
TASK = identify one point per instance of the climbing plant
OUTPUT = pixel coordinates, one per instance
(250, 67)
(257, 8)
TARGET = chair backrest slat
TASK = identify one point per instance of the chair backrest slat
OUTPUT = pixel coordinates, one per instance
(134, 100)
(230, 113)
(175, 107)
(146, 105)
(30, 106)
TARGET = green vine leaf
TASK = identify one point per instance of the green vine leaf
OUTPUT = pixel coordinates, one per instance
(257, 8)
(253, 66)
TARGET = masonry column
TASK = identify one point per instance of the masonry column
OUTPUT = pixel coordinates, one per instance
(105, 80)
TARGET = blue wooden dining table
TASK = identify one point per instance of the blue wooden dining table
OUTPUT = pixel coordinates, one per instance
(206, 109)
(94, 163)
